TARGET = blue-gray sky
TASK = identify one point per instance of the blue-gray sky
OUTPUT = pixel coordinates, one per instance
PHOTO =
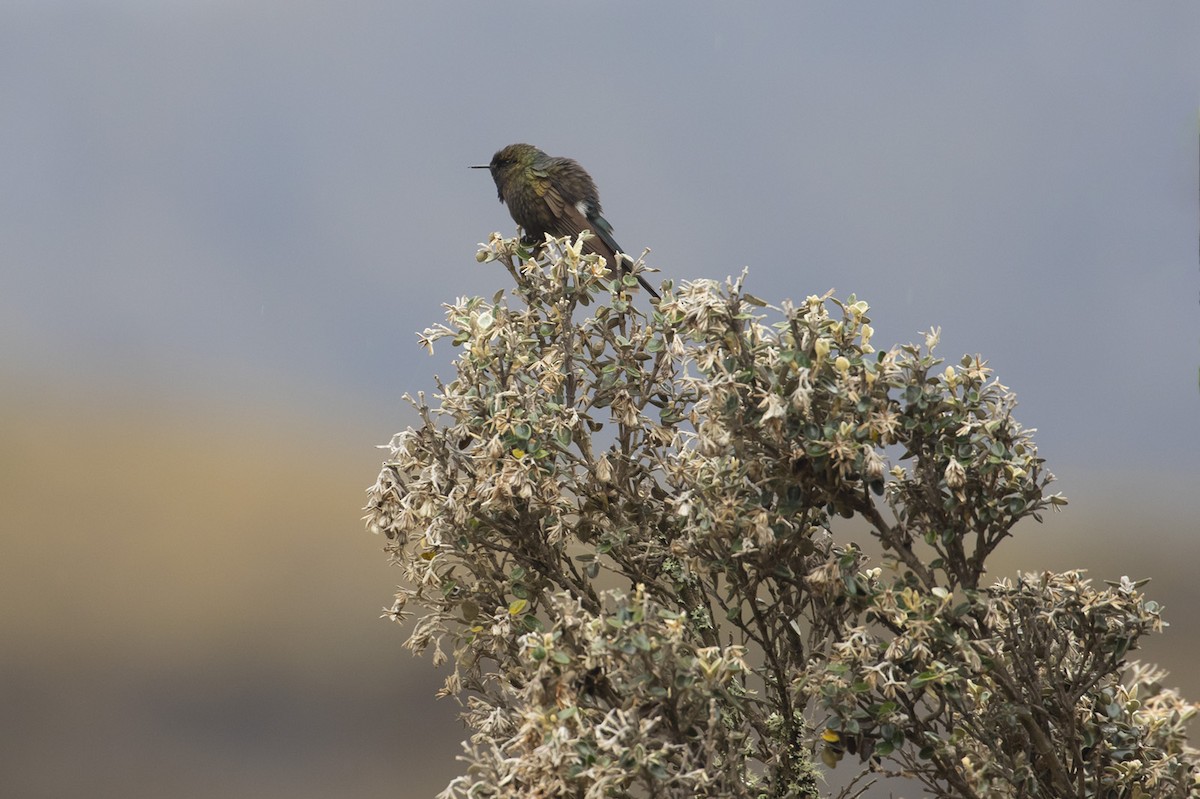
(272, 197)
(260, 204)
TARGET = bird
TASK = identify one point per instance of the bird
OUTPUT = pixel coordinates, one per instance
(547, 194)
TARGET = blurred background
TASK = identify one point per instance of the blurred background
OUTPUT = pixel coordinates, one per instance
(223, 223)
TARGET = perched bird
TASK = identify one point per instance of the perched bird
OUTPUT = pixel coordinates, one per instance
(556, 196)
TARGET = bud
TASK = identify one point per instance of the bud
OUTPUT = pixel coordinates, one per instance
(604, 470)
(858, 309)
(875, 466)
(956, 475)
(866, 331)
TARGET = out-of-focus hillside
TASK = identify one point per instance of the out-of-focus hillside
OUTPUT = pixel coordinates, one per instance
(191, 603)
(191, 608)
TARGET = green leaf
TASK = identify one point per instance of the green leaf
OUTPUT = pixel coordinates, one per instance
(532, 623)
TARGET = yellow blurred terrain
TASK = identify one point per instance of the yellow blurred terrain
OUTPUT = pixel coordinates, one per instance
(191, 608)
(191, 604)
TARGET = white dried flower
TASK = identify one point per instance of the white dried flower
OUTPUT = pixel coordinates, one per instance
(956, 475)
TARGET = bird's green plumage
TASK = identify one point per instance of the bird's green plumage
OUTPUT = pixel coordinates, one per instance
(552, 195)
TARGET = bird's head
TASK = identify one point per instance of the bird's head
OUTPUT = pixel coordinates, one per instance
(509, 163)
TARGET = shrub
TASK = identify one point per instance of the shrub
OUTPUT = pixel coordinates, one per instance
(619, 530)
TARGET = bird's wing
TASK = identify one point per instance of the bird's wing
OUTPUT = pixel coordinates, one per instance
(570, 219)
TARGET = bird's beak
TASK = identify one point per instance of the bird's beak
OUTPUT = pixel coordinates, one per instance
(485, 166)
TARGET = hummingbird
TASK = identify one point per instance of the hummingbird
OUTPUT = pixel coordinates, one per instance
(552, 195)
